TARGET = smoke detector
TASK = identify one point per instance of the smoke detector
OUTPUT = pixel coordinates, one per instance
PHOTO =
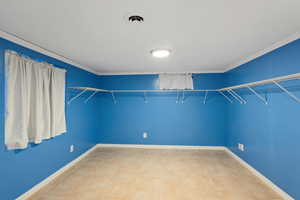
(135, 19)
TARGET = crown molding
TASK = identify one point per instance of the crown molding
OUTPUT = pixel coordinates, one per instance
(18, 40)
(262, 52)
(274, 46)
(25, 43)
(145, 73)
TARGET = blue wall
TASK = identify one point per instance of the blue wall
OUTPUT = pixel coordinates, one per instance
(20, 170)
(165, 121)
(271, 133)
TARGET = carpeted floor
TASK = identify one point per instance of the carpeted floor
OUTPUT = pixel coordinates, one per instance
(149, 174)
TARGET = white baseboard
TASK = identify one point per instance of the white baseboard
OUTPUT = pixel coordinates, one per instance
(69, 165)
(142, 146)
(50, 178)
(269, 183)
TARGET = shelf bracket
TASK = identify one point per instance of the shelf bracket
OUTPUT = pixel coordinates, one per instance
(224, 95)
(237, 95)
(258, 95)
(234, 96)
(229, 91)
(183, 97)
(113, 97)
(288, 92)
(205, 97)
(78, 95)
(90, 97)
(177, 100)
(145, 97)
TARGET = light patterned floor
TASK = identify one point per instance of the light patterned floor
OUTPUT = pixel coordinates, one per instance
(144, 174)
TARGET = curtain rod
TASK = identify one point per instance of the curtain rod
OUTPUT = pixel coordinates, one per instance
(25, 56)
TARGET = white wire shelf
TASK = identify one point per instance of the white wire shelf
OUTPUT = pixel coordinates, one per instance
(226, 92)
(137, 91)
(264, 82)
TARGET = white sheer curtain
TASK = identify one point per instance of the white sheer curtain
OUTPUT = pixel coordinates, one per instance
(35, 101)
(175, 81)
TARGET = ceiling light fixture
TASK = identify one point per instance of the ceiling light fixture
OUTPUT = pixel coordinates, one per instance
(160, 53)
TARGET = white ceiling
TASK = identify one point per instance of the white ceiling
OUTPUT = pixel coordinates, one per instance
(204, 36)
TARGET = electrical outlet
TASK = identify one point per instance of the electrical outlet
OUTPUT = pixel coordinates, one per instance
(241, 147)
(71, 148)
(145, 135)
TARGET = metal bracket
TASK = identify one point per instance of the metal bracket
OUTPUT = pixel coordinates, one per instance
(243, 100)
(145, 97)
(224, 95)
(177, 100)
(90, 97)
(229, 91)
(288, 92)
(205, 97)
(113, 97)
(258, 95)
(236, 96)
(183, 97)
(78, 95)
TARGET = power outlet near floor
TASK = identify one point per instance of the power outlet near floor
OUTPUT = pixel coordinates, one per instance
(71, 148)
(241, 147)
(145, 135)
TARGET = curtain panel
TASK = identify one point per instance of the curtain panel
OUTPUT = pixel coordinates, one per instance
(35, 101)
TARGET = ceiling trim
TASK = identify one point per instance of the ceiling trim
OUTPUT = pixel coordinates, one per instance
(262, 52)
(25, 43)
(145, 73)
(16, 39)
(274, 46)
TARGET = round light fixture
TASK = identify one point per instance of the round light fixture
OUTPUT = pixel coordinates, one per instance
(160, 53)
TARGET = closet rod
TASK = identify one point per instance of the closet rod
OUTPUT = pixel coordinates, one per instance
(263, 82)
(246, 85)
(230, 90)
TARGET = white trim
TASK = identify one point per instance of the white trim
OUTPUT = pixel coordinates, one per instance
(16, 39)
(50, 178)
(150, 73)
(142, 146)
(46, 181)
(20, 41)
(262, 52)
(242, 61)
(264, 179)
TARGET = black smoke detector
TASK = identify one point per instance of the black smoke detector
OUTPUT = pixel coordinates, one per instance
(136, 18)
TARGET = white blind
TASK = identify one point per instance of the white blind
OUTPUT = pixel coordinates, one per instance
(175, 81)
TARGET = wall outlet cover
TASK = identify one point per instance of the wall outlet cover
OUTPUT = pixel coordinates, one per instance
(242, 147)
(145, 135)
(72, 148)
